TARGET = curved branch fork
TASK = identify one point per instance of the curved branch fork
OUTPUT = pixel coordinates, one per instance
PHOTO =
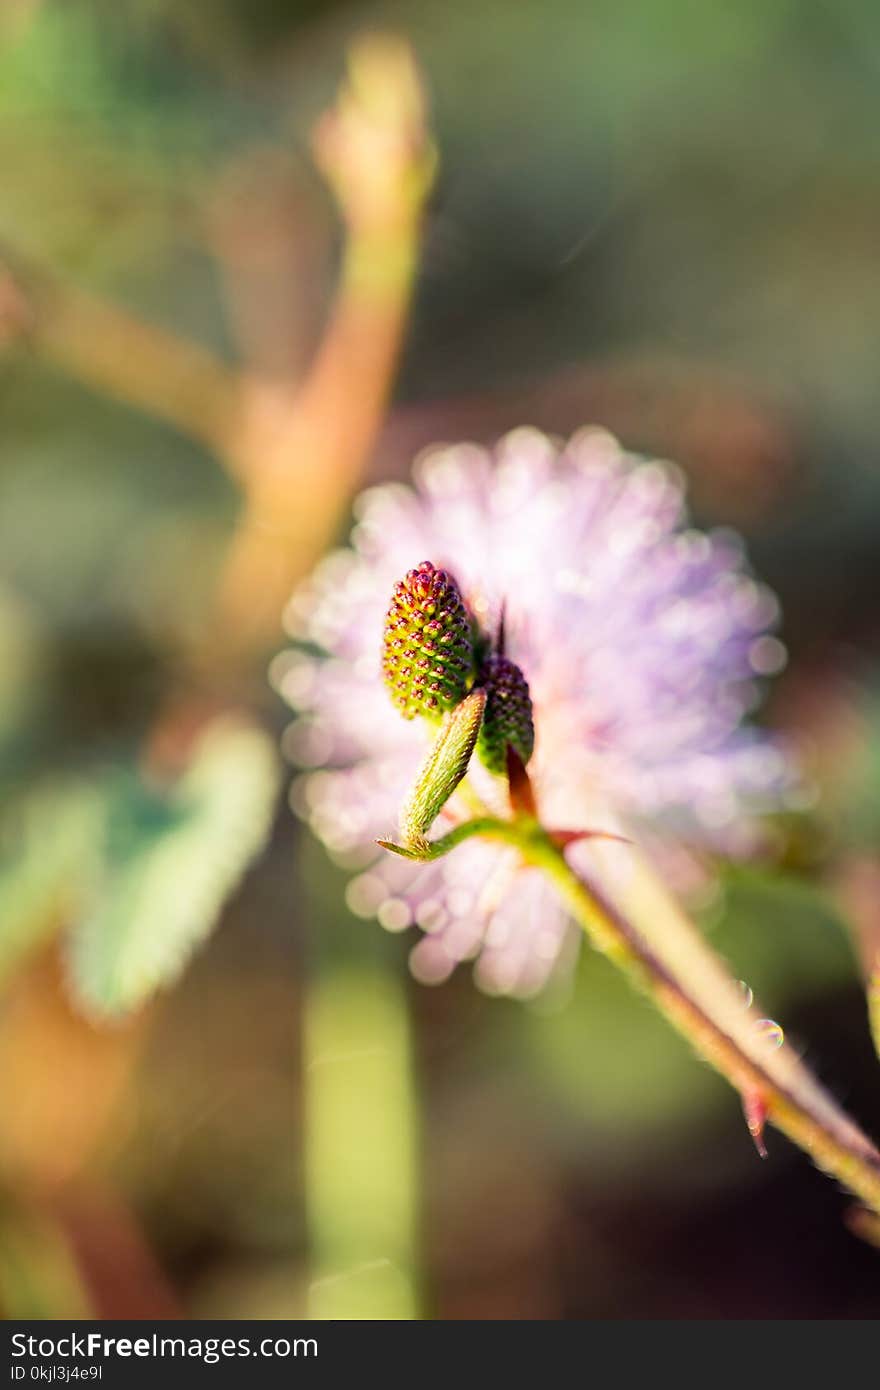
(648, 936)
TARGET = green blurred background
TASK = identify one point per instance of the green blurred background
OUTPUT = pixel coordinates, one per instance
(659, 217)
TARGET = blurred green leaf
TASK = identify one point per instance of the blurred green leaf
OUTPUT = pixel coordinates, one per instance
(49, 842)
(171, 862)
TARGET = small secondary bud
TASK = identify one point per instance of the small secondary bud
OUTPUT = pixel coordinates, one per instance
(508, 714)
(427, 646)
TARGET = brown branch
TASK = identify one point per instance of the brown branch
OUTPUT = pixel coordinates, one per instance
(114, 351)
(302, 457)
(296, 450)
(302, 452)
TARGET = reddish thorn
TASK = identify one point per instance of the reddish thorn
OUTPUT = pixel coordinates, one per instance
(755, 1112)
(563, 838)
(522, 794)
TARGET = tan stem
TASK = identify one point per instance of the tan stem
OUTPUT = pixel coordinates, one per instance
(303, 453)
(645, 933)
(795, 1101)
(115, 352)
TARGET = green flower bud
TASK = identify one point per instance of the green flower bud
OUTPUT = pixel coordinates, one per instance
(507, 718)
(443, 768)
(427, 644)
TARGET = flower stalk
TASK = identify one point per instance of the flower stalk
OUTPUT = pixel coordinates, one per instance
(690, 986)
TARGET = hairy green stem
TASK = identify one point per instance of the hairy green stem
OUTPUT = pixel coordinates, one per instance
(669, 961)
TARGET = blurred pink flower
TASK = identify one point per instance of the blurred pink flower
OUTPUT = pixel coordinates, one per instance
(641, 641)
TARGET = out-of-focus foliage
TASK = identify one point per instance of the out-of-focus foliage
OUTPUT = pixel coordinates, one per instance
(169, 862)
(662, 217)
(48, 862)
(137, 871)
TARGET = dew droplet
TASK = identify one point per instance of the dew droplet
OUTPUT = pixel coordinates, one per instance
(770, 1031)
